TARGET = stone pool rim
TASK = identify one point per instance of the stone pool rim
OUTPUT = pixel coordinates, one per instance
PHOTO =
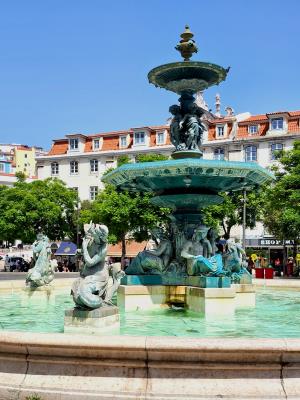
(56, 366)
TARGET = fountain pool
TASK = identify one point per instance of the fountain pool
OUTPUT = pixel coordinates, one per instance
(276, 315)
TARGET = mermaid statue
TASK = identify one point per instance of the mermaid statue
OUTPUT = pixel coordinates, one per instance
(43, 271)
(92, 289)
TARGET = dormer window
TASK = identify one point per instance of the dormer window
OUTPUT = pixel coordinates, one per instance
(74, 144)
(160, 138)
(253, 129)
(123, 141)
(96, 144)
(277, 123)
(220, 131)
(139, 138)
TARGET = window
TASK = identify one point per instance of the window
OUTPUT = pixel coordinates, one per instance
(73, 144)
(160, 138)
(93, 192)
(109, 164)
(123, 141)
(274, 148)
(252, 129)
(219, 154)
(25, 155)
(1, 167)
(220, 131)
(277, 124)
(251, 153)
(74, 167)
(93, 165)
(96, 144)
(139, 138)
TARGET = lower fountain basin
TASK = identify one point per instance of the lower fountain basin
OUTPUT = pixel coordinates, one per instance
(210, 360)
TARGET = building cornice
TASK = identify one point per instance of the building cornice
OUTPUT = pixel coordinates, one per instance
(251, 139)
(156, 149)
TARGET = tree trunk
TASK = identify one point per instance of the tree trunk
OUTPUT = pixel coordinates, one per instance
(123, 252)
(295, 247)
(226, 230)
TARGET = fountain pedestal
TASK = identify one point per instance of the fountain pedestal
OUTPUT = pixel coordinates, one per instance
(91, 321)
(204, 300)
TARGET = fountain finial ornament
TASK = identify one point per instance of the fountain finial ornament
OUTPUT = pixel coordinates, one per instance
(187, 46)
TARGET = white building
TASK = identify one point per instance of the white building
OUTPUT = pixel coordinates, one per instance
(80, 160)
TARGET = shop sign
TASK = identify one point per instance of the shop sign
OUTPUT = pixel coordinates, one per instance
(274, 242)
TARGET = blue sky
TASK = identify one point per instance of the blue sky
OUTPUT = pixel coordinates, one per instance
(81, 65)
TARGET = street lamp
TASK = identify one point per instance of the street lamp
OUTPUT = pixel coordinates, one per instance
(244, 217)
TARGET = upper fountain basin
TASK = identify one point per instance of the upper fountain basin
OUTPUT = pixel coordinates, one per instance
(187, 76)
(198, 175)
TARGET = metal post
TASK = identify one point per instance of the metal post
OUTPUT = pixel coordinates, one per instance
(77, 222)
(244, 219)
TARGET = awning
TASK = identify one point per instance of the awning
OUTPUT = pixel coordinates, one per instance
(66, 249)
(132, 249)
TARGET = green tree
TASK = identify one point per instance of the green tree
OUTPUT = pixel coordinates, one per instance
(282, 199)
(123, 159)
(21, 176)
(230, 212)
(124, 213)
(150, 157)
(45, 205)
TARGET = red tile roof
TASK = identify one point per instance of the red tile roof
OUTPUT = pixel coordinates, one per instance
(132, 249)
(254, 118)
(59, 147)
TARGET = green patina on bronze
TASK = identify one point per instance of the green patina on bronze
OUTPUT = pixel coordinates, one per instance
(187, 183)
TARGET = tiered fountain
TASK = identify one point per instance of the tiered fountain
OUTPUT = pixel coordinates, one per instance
(187, 255)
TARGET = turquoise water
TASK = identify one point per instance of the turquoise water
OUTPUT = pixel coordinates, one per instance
(276, 315)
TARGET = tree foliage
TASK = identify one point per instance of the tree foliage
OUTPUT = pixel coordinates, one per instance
(230, 212)
(27, 208)
(282, 199)
(126, 214)
(150, 157)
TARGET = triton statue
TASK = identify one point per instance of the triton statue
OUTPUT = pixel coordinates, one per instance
(91, 290)
(43, 271)
(199, 256)
(234, 260)
(155, 261)
(186, 129)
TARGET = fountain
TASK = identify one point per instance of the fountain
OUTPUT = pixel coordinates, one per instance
(252, 355)
(187, 255)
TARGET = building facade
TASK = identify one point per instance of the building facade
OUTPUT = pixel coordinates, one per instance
(18, 158)
(80, 160)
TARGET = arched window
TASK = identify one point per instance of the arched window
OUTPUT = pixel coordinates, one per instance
(251, 153)
(54, 168)
(219, 153)
(93, 165)
(74, 167)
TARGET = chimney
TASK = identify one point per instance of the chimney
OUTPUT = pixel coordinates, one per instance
(229, 111)
(218, 106)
